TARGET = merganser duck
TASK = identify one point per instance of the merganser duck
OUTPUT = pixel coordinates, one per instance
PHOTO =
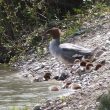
(66, 52)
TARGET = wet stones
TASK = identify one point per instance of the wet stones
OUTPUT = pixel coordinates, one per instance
(37, 108)
(25, 75)
(61, 77)
(66, 84)
(45, 77)
(70, 85)
(54, 88)
(37, 79)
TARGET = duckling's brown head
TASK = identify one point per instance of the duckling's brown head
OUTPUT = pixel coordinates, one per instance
(55, 32)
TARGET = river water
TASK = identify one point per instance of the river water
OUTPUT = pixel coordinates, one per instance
(19, 92)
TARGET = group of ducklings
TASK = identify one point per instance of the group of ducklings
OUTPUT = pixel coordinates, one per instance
(78, 67)
(86, 65)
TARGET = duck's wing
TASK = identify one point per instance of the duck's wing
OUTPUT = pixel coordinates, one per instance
(72, 50)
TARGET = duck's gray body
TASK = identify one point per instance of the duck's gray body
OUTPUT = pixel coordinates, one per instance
(68, 52)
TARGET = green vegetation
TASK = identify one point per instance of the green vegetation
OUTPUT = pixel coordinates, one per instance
(104, 102)
(23, 22)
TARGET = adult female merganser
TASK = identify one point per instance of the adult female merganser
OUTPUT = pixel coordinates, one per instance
(66, 52)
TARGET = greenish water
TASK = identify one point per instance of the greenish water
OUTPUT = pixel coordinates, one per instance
(16, 91)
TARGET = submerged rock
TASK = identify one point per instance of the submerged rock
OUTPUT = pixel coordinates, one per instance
(54, 88)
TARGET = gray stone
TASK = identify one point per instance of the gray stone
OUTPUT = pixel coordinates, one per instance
(37, 108)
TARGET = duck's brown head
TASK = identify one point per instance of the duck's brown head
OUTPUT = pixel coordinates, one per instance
(54, 32)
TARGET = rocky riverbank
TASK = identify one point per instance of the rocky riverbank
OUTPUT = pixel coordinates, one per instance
(93, 83)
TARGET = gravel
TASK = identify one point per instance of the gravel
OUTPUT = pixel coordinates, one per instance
(93, 83)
